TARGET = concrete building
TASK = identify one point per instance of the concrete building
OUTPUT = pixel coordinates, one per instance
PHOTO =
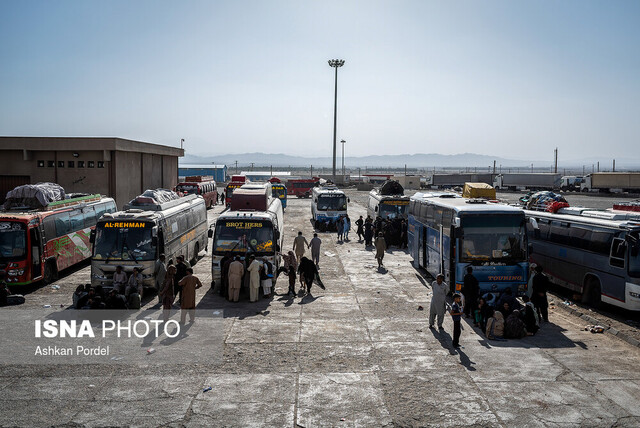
(218, 172)
(409, 182)
(115, 167)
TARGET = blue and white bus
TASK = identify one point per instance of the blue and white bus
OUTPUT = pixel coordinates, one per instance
(594, 253)
(447, 233)
(327, 206)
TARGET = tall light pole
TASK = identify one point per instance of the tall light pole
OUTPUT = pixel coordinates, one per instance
(335, 63)
(342, 142)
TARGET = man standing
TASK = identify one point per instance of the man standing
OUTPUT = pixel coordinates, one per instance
(456, 312)
(119, 280)
(539, 296)
(381, 246)
(315, 249)
(360, 229)
(470, 289)
(368, 232)
(299, 244)
(181, 272)
(340, 228)
(189, 284)
(438, 304)
(159, 270)
(224, 275)
(133, 293)
(236, 270)
(254, 278)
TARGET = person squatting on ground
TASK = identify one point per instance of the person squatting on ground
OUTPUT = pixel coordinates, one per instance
(133, 293)
(236, 270)
(495, 326)
(456, 313)
(254, 278)
(299, 244)
(381, 246)
(315, 249)
(189, 284)
(438, 301)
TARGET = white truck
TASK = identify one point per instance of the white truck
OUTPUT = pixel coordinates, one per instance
(530, 181)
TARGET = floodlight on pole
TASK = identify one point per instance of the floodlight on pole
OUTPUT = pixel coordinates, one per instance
(335, 63)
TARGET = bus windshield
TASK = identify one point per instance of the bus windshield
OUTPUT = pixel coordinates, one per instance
(393, 209)
(116, 243)
(242, 235)
(188, 189)
(493, 238)
(13, 240)
(332, 202)
(278, 192)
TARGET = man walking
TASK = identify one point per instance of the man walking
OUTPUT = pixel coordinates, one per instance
(189, 284)
(381, 246)
(307, 271)
(181, 272)
(470, 289)
(315, 249)
(159, 271)
(360, 229)
(438, 304)
(539, 295)
(456, 312)
(299, 244)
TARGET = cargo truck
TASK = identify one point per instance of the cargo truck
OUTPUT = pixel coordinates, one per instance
(611, 182)
(440, 181)
(531, 181)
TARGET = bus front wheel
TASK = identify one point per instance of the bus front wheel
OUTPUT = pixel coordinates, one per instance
(50, 272)
(592, 293)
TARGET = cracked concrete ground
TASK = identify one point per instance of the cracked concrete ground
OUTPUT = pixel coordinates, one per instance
(358, 354)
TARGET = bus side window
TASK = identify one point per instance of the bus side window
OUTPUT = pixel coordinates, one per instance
(76, 221)
(601, 241)
(49, 227)
(89, 217)
(99, 210)
(62, 224)
(618, 251)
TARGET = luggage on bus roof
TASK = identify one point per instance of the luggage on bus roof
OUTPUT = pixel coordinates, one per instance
(478, 190)
(391, 187)
(159, 196)
(34, 196)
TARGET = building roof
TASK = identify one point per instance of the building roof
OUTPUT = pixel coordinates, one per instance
(200, 166)
(86, 143)
(269, 173)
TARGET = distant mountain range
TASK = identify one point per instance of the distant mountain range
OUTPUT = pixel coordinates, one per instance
(418, 160)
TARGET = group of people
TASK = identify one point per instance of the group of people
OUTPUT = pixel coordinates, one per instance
(252, 273)
(394, 231)
(498, 316)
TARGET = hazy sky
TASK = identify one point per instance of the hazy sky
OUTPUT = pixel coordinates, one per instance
(507, 78)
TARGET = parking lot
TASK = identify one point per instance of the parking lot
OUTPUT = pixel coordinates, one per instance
(359, 353)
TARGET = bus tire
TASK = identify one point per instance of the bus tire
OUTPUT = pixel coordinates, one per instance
(50, 272)
(592, 293)
(196, 250)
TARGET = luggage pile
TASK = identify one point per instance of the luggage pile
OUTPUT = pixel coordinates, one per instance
(546, 201)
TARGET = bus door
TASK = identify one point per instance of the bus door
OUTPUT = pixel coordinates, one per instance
(441, 251)
(452, 258)
(35, 238)
(422, 246)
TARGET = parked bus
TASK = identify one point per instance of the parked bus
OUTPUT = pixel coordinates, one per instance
(257, 227)
(447, 233)
(38, 244)
(302, 187)
(236, 182)
(279, 191)
(202, 185)
(593, 253)
(387, 206)
(145, 229)
(327, 206)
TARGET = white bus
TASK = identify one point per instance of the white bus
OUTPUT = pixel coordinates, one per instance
(136, 237)
(248, 228)
(592, 252)
(328, 204)
(387, 206)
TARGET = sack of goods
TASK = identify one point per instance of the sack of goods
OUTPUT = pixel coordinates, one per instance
(34, 196)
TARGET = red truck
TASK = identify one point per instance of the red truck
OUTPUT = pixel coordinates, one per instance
(301, 187)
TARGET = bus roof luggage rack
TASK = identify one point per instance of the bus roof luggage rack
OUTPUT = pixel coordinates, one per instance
(34, 196)
(476, 201)
(198, 178)
(157, 200)
(605, 215)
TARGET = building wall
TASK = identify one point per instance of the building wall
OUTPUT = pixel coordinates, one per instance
(219, 174)
(408, 182)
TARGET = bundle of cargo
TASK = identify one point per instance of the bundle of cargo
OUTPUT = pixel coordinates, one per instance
(154, 196)
(391, 187)
(546, 201)
(34, 196)
(478, 190)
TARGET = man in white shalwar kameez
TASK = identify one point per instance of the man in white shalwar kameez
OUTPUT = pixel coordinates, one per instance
(438, 303)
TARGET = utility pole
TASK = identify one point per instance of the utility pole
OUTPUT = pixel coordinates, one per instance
(311, 171)
(598, 166)
(555, 168)
(614, 165)
(342, 142)
(252, 163)
(236, 167)
(271, 170)
(494, 166)
(405, 169)
(335, 63)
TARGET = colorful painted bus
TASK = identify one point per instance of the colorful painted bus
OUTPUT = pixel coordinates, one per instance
(236, 182)
(279, 191)
(39, 244)
(302, 187)
(202, 185)
(447, 233)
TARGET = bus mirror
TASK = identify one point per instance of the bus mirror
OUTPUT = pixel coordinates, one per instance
(92, 236)
(277, 234)
(210, 233)
(376, 210)
(154, 231)
(456, 221)
(277, 248)
(348, 200)
(534, 223)
(154, 241)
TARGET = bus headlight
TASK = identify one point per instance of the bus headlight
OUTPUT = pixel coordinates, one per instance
(15, 272)
(98, 276)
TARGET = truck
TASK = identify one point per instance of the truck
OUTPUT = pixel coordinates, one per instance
(570, 183)
(531, 181)
(440, 181)
(611, 182)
